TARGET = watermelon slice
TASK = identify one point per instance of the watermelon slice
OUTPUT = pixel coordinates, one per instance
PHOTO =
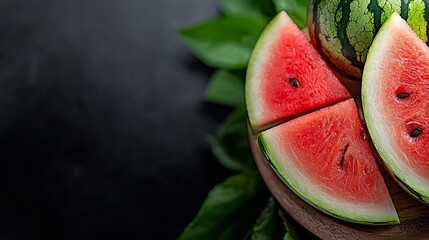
(395, 97)
(287, 77)
(322, 155)
(325, 158)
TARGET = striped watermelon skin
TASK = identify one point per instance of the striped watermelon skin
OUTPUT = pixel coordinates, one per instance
(343, 30)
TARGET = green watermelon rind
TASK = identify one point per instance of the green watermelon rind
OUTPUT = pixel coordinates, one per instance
(407, 182)
(314, 201)
(347, 28)
(258, 55)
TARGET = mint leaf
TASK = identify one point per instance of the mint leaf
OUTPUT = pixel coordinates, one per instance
(224, 42)
(230, 209)
(231, 144)
(269, 224)
(296, 9)
(248, 7)
(226, 89)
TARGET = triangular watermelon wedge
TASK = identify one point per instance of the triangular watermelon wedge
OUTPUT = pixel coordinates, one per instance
(310, 130)
(325, 158)
(395, 99)
(287, 77)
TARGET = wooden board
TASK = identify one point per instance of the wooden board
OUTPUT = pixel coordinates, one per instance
(414, 215)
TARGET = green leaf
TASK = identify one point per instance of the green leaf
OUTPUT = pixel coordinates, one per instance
(288, 236)
(226, 89)
(248, 7)
(231, 144)
(224, 42)
(230, 209)
(290, 231)
(269, 224)
(296, 9)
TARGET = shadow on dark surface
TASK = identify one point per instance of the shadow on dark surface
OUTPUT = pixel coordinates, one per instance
(102, 121)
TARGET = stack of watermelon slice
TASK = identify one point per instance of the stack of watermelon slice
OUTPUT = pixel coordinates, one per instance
(309, 127)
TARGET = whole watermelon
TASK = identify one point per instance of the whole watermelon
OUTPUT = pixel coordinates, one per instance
(343, 30)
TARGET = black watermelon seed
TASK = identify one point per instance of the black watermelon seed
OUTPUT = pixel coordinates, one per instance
(362, 134)
(416, 132)
(343, 155)
(294, 82)
(403, 95)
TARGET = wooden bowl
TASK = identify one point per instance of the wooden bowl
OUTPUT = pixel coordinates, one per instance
(414, 215)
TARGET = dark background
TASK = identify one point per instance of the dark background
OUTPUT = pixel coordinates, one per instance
(102, 121)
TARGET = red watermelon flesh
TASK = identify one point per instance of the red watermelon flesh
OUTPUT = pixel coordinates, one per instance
(324, 156)
(287, 77)
(395, 95)
(410, 75)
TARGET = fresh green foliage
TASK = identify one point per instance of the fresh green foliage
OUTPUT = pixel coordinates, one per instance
(248, 7)
(230, 145)
(225, 88)
(226, 41)
(296, 9)
(269, 224)
(230, 210)
(233, 208)
(290, 231)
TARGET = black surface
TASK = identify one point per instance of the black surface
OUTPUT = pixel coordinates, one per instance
(102, 122)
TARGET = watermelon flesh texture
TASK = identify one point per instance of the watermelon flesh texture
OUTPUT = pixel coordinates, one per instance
(325, 158)
(287, 77)
(395, 95)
